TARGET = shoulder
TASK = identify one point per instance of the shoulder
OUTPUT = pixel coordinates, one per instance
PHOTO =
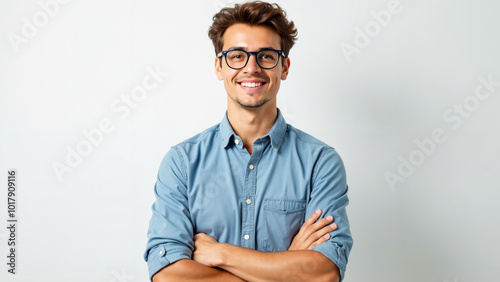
(320, 152)
(307, 139)
(204, 138)
(179, 153)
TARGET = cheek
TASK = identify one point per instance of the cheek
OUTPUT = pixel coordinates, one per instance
(228, 82)
(276, 82)
(229, 76)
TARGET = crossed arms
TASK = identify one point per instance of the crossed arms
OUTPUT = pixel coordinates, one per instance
(213, 261)
(175, 253)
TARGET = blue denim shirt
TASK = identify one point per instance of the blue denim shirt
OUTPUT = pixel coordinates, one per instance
(211, 184)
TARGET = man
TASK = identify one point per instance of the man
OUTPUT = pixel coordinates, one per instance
(231, 201)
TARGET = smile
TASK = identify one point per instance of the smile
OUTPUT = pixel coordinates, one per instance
(252, 84)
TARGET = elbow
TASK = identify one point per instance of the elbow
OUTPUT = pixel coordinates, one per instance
(331, 277)
(172, 272)
(334, 274)
(160, 276)
(330, 271)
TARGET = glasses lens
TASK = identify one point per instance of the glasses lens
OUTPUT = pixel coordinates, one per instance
(268, 58)
(236, 59)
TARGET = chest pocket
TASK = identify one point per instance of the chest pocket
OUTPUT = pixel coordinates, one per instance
(282, 221)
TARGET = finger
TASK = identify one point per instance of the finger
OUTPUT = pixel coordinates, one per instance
(312, 219)
(318, 229)
(320, 224)
(199, 236)
(321, 235)
(318, 234)
(320, 240)
(314, 216)
(325, 230)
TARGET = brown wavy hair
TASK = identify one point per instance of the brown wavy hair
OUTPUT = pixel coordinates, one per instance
(254, 13)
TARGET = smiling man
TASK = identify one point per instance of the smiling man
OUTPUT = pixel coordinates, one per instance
(231, 202)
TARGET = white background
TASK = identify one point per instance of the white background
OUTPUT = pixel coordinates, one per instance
(441, 224)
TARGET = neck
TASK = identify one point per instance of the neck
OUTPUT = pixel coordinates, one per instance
(250, 124)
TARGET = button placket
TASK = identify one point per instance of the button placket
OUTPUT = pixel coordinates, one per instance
(248, 227)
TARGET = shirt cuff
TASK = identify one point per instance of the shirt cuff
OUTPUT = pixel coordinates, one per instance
(335, 253)
(159, 257)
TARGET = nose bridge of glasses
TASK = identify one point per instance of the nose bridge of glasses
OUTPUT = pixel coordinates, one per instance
(255, 55)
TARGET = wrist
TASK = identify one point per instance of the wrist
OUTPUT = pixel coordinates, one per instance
(223, 251)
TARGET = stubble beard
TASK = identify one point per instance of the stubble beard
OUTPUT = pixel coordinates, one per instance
(250, 106)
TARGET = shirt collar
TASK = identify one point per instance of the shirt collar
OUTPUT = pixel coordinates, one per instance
(226, 131)
(277, 132)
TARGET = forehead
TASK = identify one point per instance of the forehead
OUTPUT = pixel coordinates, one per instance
(250, 37)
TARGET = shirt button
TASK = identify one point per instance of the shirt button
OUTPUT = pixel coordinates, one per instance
(250, 166)
(237, 141)
(340, 251)
(161, 252)
(246, 237)
(249, 201)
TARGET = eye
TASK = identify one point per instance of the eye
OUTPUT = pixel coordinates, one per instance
(236, 55)
(268, 55)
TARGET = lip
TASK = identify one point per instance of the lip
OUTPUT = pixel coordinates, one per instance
(251, 81)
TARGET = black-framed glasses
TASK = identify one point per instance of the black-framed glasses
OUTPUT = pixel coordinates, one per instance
(238, 59)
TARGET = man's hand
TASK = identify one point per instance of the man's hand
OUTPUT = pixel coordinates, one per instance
(206, 250)
(252, 265)
(312, 232)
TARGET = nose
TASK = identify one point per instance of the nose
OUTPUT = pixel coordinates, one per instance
(252, 66)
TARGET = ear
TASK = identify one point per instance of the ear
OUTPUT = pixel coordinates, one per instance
(218, 70)
(286, 67)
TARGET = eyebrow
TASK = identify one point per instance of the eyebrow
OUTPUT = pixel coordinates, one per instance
(245, 48)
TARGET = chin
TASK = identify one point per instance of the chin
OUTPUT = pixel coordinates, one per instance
(252, 105)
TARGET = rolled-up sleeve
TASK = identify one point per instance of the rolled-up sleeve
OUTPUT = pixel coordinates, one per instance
(329, 193)
(170, 233)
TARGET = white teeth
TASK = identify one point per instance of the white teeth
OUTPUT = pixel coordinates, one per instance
(251, 84)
